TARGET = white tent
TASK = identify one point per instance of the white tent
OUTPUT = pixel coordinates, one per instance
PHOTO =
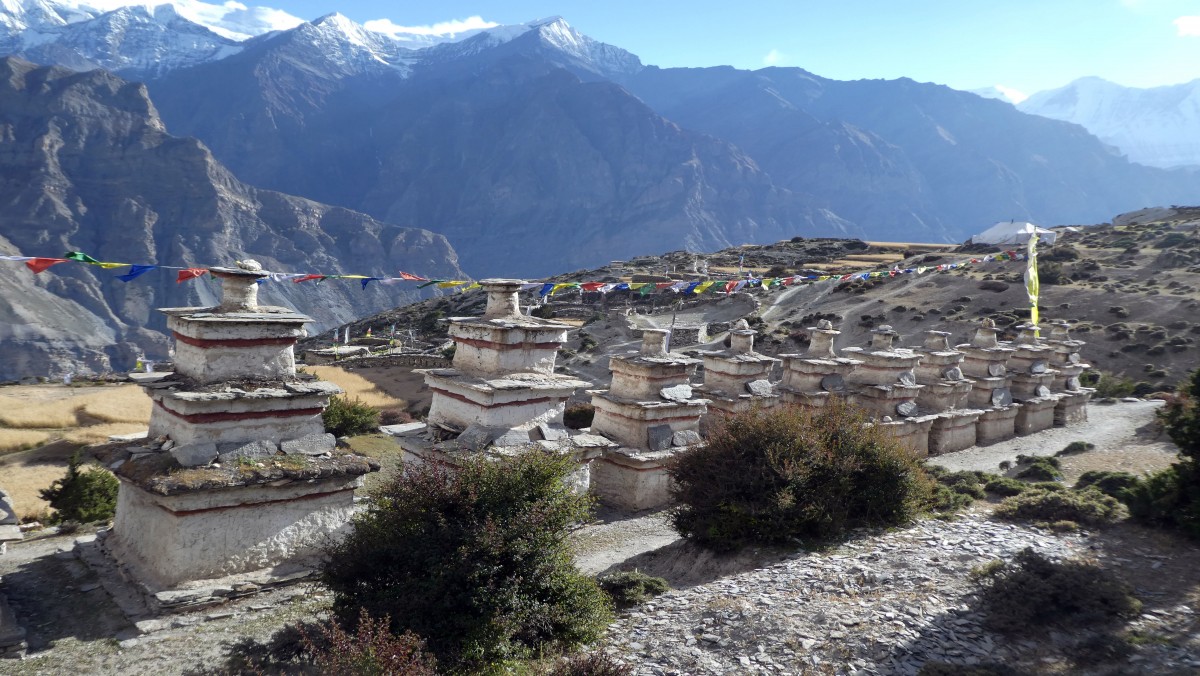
(1013, 232)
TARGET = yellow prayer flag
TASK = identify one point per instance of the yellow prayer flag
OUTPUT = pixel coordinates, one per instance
(450, 284)
(110, 266)
(1032, 285)
(703, 286)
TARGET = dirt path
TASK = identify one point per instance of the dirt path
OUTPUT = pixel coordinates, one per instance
(1126, 436)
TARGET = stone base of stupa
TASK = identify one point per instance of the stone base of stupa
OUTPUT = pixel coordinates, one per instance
(652, 425)
(953, 431)
(809, 400)
(633, 479)
(944, 395)
(1035, 415)
(178, 529)
(912, 433)
(997, 424)
(1072, 407)
(885, 400)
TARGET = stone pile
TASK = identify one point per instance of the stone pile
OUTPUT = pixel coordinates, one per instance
(810, 379)
(985, 363)
(1029, 365)
(946, 394)
(1072, 395)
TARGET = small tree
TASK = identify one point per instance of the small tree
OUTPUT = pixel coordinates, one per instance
(349, 417)
(475, 559)
(771, 477)
(83, 496)
(1171, 497)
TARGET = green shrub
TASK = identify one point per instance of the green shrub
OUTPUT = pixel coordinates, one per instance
(372, 650)
(349, 417)
(476, 559)
(632, 588)
(1171, 497)
(591, 664)
(1005, 486)
(1033, 593)
(1038, 468)
(1088, 506)
(82, 496)
(1075, 447)
(774, 476)
(579, 416)
(1116, 484)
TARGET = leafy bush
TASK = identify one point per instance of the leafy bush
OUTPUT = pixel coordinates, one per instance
(579, 416)
(82, 496)
(1116, 484)
(631, 588)
(591, 664)
(372, 650)
(770, 477)
(1038, 468)
(476, 559)
(348, 417)
(1075, 447)
(1005, 486)
(1033, 593)
(1107, 385)
(1171, 497)
(1088, 506)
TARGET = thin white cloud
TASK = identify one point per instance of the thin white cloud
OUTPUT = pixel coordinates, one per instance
(1188, 25)
(1013, 95)
(773, 58)
(440, 29)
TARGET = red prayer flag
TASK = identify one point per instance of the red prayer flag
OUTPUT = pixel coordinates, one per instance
(40, 264)
(411, 277)
(730, 287)
(591, 286)
(663, 285)
(190, 273)
(306, 278)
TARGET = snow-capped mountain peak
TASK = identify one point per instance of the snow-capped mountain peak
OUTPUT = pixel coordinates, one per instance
(1158, 127)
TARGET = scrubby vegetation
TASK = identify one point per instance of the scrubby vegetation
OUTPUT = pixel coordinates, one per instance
(579, 416)
(1116, 484)
(1075, 447)
(349, 417)
(782, 475)
(1038, 468)
(82, 496)
(631, 588)
(475, 560)
(1057, 507)
(1033, 593)
(372, 650)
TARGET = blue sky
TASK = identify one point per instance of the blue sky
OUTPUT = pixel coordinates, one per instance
(1026, 45)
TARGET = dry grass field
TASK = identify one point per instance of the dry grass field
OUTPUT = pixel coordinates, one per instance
(41, 425)
(356, 387)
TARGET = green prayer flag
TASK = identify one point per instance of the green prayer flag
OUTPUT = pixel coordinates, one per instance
(79, 256)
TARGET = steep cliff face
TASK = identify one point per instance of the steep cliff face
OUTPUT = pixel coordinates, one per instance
(86, 164)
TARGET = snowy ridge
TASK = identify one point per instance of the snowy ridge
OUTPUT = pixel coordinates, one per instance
(150, 38)
(1158, 127)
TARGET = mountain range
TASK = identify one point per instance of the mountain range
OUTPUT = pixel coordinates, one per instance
(85, 164)
(535, 149)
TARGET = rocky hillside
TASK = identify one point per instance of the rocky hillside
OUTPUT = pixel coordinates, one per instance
(1131, 289)
(86, 164)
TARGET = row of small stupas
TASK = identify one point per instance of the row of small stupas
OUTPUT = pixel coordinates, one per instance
(502, 394)
(237, 485)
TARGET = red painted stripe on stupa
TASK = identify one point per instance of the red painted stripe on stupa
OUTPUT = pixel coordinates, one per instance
(226, 416)
(231, 342)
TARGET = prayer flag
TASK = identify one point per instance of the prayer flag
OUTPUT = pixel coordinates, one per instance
(39, 265)
(367, 281)
(546, 289)
(190, 273)
(305, 278)
(135, 271)
(1032, 285)
(591, 286)
(431, 283)
(411, 277)
(449, 284)
(16, 258)
(79, 256)
(111, 266)
(703, 286)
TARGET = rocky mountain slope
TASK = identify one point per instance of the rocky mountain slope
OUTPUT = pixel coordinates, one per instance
(86, 164)
(1158, 127)
(1130, 289)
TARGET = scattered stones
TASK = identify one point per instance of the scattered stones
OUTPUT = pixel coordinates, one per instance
(760, 388)
(194, 455)
(677, 393)
(404, 430)
(685, 438)
(660, 437)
